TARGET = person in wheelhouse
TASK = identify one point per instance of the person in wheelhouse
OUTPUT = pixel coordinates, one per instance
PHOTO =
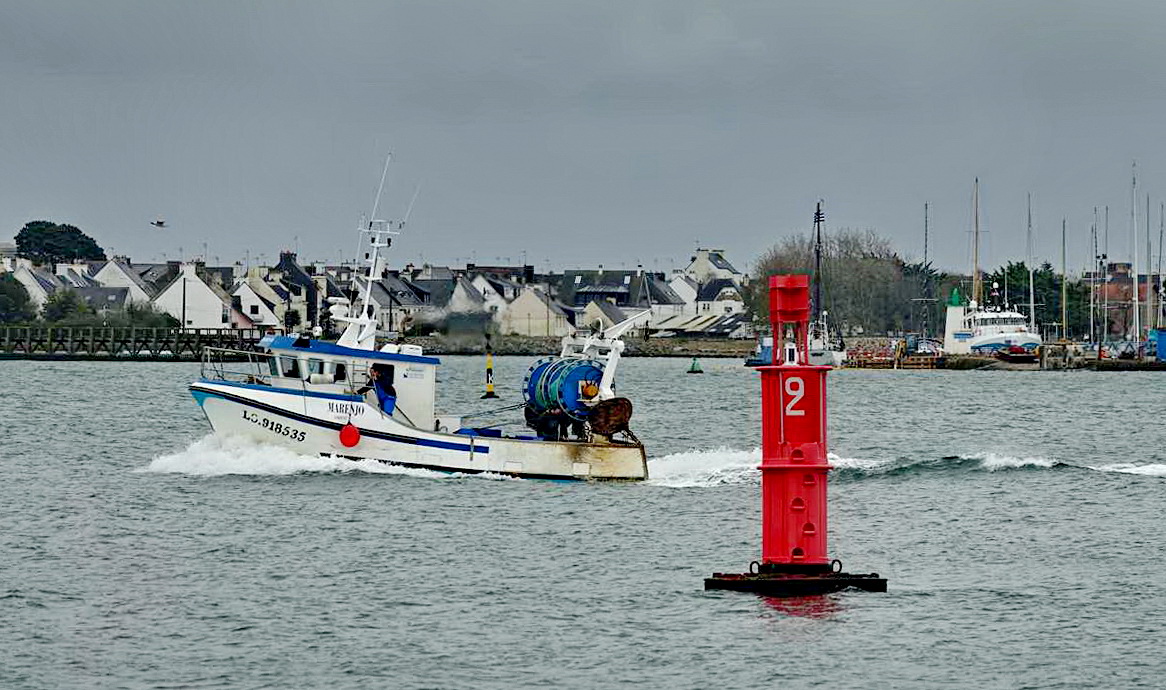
(380, 381)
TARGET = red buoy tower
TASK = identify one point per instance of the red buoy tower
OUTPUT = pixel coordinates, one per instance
(794, 560)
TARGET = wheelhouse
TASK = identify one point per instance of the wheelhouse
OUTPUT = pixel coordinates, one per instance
(313, 366)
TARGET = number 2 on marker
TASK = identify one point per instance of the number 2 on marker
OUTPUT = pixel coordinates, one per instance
(795, 388)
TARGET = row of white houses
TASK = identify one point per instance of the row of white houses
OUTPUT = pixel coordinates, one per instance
(705, 298)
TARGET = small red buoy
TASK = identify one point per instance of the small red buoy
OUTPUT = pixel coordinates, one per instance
(349, 435)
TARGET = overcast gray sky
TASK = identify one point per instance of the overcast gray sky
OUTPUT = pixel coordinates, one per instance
(578, 132)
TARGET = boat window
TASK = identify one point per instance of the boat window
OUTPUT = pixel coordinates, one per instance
(290, 367)
(273, 365)
(315, 366)
(339, 372)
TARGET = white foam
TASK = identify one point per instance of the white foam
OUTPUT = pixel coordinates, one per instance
(860, 464)
(994, 462)
(215, 455)
(1155, 470)
(702, 468)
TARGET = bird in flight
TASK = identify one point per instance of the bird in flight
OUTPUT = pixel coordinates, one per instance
(159, 223)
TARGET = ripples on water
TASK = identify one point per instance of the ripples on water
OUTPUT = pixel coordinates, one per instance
(1017, 515)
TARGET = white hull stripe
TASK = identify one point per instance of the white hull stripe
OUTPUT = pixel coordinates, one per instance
(200, 393)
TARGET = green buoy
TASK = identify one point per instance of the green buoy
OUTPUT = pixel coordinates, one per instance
(694, 368)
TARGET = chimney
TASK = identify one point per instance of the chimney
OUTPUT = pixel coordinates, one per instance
(600, 269)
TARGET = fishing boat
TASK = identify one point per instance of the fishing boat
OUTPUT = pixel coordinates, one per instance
(353, 399)
(826, 345)
(762, 353)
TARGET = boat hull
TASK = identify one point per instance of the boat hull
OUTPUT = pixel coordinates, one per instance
(992, 344)
(310, 424)
(827, 358)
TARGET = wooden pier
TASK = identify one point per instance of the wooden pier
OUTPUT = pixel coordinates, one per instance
(141, 344)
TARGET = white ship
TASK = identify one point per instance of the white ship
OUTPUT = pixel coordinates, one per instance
(971, 330)
(974, 329)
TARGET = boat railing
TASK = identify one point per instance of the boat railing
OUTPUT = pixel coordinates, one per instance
(236, 366)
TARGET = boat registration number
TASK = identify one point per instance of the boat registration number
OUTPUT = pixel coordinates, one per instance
(278, 428)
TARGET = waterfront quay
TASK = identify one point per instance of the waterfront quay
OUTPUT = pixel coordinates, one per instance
(142, 344)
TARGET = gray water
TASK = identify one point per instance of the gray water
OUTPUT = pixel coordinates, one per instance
(1018, 517)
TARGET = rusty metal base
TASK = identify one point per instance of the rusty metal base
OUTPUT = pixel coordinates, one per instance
(795, 581)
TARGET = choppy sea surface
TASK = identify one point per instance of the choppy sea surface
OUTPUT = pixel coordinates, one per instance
(1019, 518)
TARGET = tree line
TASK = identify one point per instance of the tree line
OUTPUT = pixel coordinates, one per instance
(869, 288)
(46, 243)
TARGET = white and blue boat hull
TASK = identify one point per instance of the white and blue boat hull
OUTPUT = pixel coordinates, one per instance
(310, 422)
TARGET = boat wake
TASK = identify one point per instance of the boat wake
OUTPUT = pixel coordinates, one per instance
(215, 455)
(703, 468)
(726, 466)
(1155, 470)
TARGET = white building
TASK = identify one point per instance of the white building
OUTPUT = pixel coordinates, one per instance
(496, 293)
(259, 310)
(533, 314)
(38, 283)
(119, 273)
(720, 296)
(711, 264)
(686, 287)
(197, 302)
(466, 299)
(601, 315)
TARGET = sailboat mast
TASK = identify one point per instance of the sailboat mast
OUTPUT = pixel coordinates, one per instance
(1161, 227)
(1031, 292)
(1149, 258)
(1093, 282)
(1064, 286)
(926, 276)
(1105, 276)
(977, 284)
(1134, 243)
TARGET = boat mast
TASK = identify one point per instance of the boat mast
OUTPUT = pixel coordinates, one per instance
(1031, 292)
(1105, 276)
(977, 284)
(819, 218)
(1093, 281)
(926, 276)
(1134, 242)
(1149, 259)
(1064, 287)
(1161, 228)
(361, 320)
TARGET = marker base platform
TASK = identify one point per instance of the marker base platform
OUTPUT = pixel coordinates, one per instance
(788, 580)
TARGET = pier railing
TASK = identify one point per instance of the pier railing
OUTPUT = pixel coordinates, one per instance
(158, 344)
